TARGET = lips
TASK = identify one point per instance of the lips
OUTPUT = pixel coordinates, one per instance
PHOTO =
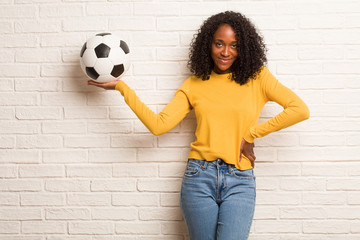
(224, 61)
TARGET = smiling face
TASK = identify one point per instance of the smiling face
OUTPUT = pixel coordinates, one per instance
(223, 49)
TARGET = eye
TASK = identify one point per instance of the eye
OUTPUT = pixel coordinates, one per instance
(234, 46)
(218, 44)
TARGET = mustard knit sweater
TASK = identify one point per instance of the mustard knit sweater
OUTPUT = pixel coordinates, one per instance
(225, 112)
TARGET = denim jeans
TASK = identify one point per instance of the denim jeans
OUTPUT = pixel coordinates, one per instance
(217, 200)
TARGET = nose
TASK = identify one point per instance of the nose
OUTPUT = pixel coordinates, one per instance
(225, 52)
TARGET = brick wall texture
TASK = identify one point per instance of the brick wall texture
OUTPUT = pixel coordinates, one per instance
(77, 164)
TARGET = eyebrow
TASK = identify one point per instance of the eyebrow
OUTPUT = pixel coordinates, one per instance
(223, 41)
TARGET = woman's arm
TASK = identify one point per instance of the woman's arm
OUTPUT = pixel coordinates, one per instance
(157, 124)
(295, 110)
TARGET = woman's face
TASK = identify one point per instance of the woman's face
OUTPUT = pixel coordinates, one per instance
(223, 49)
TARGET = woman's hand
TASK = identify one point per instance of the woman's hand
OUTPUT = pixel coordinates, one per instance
(248, 150)
(106, 85)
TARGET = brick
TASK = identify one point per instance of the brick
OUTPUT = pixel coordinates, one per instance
(19, 156)
(16, 11)
(353, 198)
(43, 227)
(323, 53)
(267, 183)
(62, 99)
(204, 9)
(61, 70)
(112, 155)
(143, 54)
(159, 185)
(7, 55)
(313, 82)
(8, 171)
(170, 199)
(303, 213)
(6, 27)
(342, 97)
(64, 156)
(299, 68)
(10, 227)
(63, 40)
(277, 169)
(114, 213)
(278, 198)
(278, 140)
(88, 199)
(39, 26)
(135, 199)
(156, 9)
(92, 171)
(159, 68)
(178, 227)
(161, 214)
(80, 24)
(133, 141)
(172, 170)
(275, 23)
(110, 185)
(139, 228)
(328, 110)
(20, 214)
(9, 199)
(85, 112)
(110, 127)
(105, 98)
(60, 11)
(93, 227)
(263, 213)
(282, 53)
(63, 127)
(172, 54)
(18, 40)
(342, 213)
(7, 142)
(109, 9)
(132, 23)
(67, 185)
(41, 171)
(321, 21)
(19, 127)
(67, 214)
(37, 55)
(37, 85)
(19, 70)
(160, 155)
(301, 184)
(268, 226)
(18, 99)
(324, 169)
(149, 39)
(343, 184)
(298, 37)
(6, 85)
(135, 170)
(86, 141)
(324, 198)
(38, 113)
(42, 199)
(329, 227)
(323, 140)
(39, 141)
(178, 23)
(296, 8)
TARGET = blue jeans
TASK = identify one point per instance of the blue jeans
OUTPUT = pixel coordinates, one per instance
(217, 200)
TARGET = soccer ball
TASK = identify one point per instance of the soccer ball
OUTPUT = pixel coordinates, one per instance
(105, 57)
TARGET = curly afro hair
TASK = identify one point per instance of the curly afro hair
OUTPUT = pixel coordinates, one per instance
(250, 47)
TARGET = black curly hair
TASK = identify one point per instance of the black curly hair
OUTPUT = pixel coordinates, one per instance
(250, 47)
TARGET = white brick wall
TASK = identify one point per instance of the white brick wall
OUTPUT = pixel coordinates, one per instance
(76, 163)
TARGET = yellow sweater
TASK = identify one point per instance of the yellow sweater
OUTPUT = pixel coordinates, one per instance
(225, 112)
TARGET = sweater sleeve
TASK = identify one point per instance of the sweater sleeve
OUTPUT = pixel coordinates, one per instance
(295, 110)
(160, 123)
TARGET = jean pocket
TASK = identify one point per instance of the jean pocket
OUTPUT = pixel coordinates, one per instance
(193, 168)
(246, 174)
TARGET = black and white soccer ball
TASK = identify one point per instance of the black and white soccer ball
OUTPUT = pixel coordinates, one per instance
(105, 57)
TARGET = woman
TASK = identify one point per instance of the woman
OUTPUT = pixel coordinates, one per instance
(229, 88)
